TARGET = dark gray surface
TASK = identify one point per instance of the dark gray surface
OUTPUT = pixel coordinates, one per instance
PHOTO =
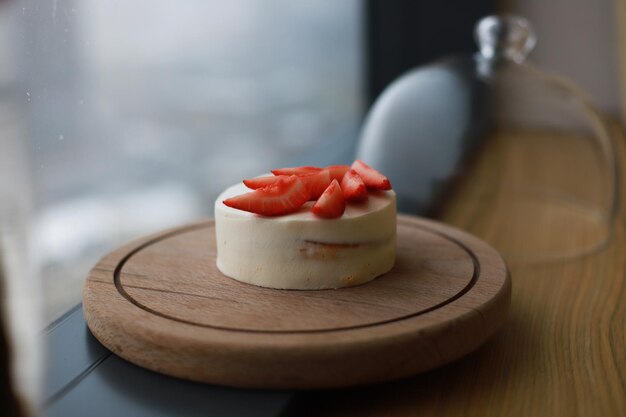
(70, 352)
(85, 379)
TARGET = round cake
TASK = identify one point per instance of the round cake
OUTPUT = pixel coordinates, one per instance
(300, 250)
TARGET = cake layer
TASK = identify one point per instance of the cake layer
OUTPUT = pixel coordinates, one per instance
(302, 251)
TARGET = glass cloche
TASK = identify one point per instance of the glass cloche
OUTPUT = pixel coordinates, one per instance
(494, 145)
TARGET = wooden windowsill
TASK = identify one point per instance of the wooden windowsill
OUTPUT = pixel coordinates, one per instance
(562, 352)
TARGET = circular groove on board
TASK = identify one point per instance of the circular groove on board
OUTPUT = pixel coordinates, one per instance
(416, 280)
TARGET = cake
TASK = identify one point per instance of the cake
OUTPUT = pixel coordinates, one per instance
(307, 228)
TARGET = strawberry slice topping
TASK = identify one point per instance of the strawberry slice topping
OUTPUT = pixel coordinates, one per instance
(260, 182)
(353, 187)
(289, 188)
(338, 171)
(373, 179)
(295, 170)
(315, 182)
(331, 203)
(284, 196)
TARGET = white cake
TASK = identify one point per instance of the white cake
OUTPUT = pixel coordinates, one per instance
(302, 251)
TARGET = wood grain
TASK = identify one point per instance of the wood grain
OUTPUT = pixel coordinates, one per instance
(563, 350)
(162, 304)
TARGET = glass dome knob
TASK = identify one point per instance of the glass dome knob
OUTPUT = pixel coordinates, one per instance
(510, 37)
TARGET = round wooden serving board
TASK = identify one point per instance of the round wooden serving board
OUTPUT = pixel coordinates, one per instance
(161, 303)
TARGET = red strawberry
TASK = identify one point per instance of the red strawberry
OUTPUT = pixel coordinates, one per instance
(316, 182)
(373, 179)
(260, 182)
(338, 171)
(353, 187)
(331, 203)
(286, 195)
(295, 170)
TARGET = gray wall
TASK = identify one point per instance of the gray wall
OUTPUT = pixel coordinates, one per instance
(577, 39)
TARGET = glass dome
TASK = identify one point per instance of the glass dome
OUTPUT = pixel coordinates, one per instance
(522, 156)
(552, 150)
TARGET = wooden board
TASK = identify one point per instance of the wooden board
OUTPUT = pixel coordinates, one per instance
(162, 304)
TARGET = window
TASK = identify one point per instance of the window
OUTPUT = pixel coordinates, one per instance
(129, 117)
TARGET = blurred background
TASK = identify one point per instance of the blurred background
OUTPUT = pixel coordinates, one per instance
(132, 117)
(118, 118)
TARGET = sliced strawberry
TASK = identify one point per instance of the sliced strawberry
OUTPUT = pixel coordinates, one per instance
(284, 196)
(316, 182)
(373, 179)
(338, 171)
(260, 182)
(353, 187)
(295, 170)
(331, 203)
